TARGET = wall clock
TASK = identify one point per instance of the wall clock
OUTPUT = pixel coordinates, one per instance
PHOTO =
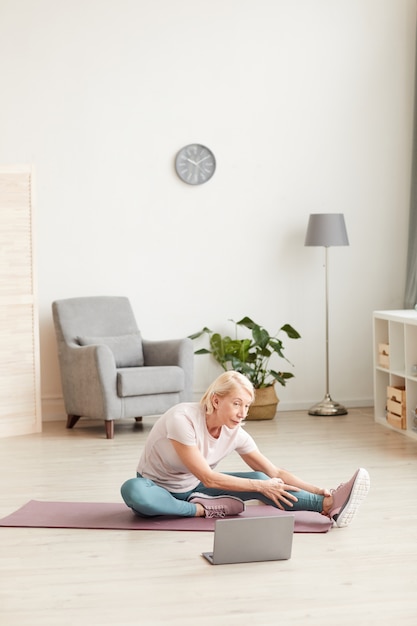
(195, 164)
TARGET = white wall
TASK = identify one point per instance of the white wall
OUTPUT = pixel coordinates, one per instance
(307, 106)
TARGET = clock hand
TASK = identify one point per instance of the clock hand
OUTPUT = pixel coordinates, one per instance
(206, 157)
(190, 161)
(200, 168)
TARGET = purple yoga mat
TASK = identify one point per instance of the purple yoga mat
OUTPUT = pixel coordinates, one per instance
(116, 516)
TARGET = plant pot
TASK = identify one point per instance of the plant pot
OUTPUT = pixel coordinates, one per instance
(265, 404)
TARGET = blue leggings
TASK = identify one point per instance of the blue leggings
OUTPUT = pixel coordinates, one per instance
(147, 499)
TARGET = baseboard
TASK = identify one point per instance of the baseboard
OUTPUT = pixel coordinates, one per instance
(53, 409)
(352, 403)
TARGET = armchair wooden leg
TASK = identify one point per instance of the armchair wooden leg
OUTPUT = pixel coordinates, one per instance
(138, 419)
(72, 420)
(109, 425)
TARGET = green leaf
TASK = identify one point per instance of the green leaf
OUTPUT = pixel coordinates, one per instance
(291, 332)
(277, 347)
(246, 321)
(281, 377)
(201, 332)
(260, 336)
(217, 347)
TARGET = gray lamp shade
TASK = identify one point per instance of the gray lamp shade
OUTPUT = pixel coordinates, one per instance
(326, 229)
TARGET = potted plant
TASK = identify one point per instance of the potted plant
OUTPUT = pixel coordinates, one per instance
(251, 356)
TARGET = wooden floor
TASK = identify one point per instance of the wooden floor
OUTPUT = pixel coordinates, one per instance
(364, 574)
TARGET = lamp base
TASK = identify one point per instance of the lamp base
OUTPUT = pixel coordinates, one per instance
(327, 407)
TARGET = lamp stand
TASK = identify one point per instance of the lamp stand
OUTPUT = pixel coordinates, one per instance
(327, 406)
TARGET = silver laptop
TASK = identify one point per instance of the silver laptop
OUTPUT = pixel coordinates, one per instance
(248, 539)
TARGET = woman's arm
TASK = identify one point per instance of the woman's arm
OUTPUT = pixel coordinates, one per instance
(258, 462)
(195, 462)
(274, 488)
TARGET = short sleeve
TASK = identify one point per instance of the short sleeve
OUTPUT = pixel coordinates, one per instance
(182, 429)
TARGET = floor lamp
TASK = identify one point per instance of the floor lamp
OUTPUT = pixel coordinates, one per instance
(327, 229)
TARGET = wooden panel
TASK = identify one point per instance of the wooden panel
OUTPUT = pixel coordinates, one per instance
(19, 340)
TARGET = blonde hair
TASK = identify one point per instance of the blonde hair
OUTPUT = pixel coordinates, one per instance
(223, 385)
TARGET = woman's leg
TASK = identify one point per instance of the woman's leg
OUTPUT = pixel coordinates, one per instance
(306, 501)
(147, 499)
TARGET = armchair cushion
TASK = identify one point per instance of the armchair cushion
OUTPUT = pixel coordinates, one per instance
(127, 349)
(132, 381)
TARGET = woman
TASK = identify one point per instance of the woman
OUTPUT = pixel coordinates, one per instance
(177, 473)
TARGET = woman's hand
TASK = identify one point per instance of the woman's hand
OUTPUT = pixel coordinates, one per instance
(277, 491)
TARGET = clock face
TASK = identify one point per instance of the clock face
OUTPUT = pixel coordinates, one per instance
(195, 164)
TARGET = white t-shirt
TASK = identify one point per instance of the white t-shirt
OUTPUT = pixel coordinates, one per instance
(186, 423)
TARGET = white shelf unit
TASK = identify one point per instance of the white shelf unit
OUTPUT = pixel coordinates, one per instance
(398, 329)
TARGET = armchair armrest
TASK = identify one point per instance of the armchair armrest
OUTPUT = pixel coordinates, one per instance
(89, 381)
(168, 352)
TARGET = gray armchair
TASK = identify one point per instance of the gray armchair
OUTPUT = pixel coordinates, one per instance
(108, 371)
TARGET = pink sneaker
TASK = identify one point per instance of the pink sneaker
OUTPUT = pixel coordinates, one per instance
(218, 506)
(348, 496)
